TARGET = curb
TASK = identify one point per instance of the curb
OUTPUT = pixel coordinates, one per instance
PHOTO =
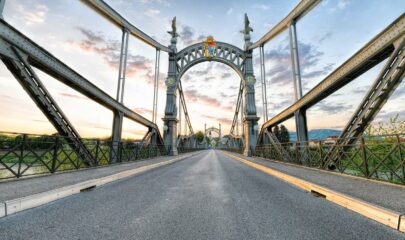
(19, 204)
(380, 214)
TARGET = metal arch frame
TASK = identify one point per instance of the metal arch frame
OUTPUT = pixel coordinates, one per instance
(226, 53)
(213, 129)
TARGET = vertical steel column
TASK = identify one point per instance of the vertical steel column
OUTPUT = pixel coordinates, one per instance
(2, 2)
(180, 109)
(264, 88)
(300, 115)
(156, 86)
(242, 130)
(118, 116)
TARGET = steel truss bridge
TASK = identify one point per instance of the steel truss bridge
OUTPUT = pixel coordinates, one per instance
(20, 54)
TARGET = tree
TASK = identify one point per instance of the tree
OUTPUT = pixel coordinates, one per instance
(284, 134)
(199, 136)
(276, 132)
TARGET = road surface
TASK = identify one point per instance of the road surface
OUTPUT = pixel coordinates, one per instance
(208, 196)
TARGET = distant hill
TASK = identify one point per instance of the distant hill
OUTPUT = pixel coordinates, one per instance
(317, 134)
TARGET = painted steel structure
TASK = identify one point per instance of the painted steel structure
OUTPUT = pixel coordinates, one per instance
(238, 59)
(20, 54)
(375, 51)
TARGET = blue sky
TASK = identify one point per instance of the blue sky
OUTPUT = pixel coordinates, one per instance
(328, 35)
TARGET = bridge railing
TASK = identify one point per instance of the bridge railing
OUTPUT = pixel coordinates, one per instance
(25, 155)
(376, 157)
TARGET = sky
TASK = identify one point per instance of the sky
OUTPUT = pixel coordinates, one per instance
(328, 35)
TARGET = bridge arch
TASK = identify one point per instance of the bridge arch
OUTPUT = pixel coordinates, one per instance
(225, 53)
(210, 50)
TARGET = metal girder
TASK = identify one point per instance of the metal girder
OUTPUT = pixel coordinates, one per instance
(156, 86)
(263, 83)
(374, 52)
(28, 79)
(299, 11)
(238, 104)
(387, 81)
(114, 17)
(46, 62)
(225, 53)
(183, 103)
(277, 145)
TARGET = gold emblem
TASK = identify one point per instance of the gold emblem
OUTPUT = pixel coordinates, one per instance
(170, 81)
(210, 47)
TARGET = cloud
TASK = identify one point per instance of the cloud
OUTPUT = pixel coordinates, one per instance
(332, 108)
(193, 95)
(141, 110)
(278, 63)
(229, 11)
(69, 95)
(151, 12)
(109, 50)
(223, 121)
(384, 116)
(34, 15)
(188, 35)
(325, 36)
(263, 7)
(342, 4)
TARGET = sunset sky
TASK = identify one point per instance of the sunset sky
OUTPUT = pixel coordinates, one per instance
(88, 43)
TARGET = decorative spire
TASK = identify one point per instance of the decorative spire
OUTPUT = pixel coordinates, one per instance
(246, 32)
(174, 34)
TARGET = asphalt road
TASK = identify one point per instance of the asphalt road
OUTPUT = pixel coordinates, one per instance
(208, 196)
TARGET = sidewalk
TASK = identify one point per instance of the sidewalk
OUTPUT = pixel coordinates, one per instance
(18, 188)
(389, 196)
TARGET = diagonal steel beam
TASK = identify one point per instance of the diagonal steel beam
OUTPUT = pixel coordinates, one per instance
(183, 103)
(114, 17)
(46, 62)
(374, 52)
(238, 103)
(28, 79)
(387, 81)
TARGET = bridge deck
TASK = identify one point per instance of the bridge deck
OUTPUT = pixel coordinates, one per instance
(28, 186)
(207, 196)
(383, 194)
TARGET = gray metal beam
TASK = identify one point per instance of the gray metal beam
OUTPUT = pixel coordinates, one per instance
(300, 115)
(156, 86)
(28, 79)
(264, 88)
(114, 17)
(45, 61)
(235, 117)
(183, 104)
(116, 132)
(375, 51)
(385, 84)
(2, 2)
(299, 11)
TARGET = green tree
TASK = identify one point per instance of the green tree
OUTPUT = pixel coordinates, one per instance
(284, 134)
(199, 136)
(276, 132)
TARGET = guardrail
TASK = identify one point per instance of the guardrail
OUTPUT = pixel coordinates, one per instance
(24, 154)
(375, 157)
